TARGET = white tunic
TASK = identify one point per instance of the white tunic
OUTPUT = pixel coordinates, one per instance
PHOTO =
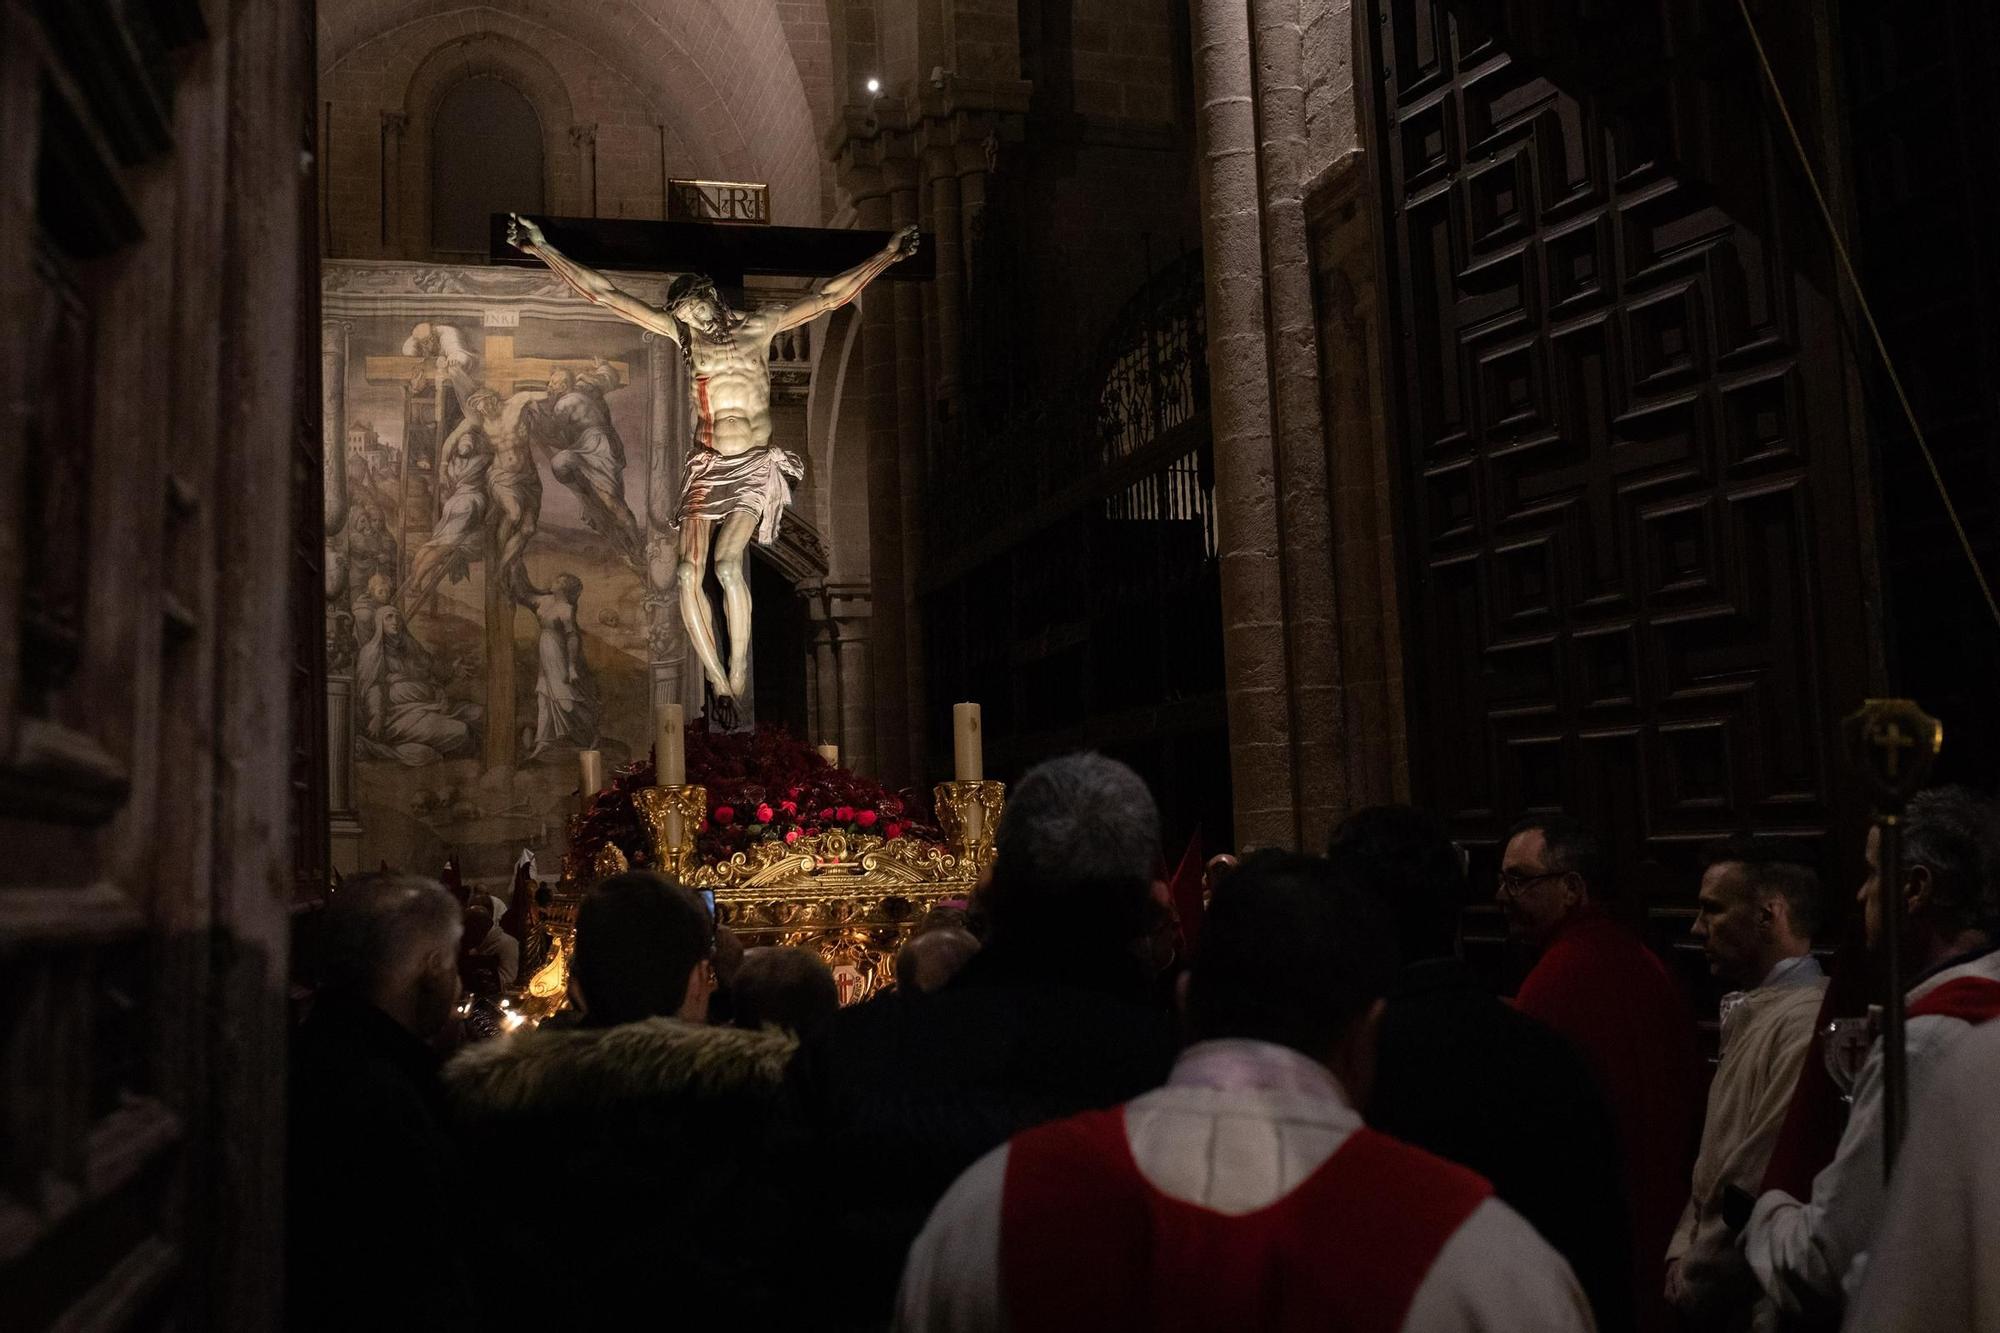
(1935, 1265)
(1802, 1253)
(1239, 1125)
(1765, 1036)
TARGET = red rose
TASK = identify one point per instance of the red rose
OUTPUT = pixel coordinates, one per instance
(893, 831)
(812, 830)
(790, 809)
(866, 819)
(763, 814)
(724, 813)
(826, 813)
(791, 835)
(845, 814)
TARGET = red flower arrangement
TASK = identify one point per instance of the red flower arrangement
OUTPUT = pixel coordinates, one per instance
(742, 771)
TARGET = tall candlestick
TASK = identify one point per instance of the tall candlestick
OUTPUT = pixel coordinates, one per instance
(670, 747)
(968, 745)
(830, 753)
(590, 766)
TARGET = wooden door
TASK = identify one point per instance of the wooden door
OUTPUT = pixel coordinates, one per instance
(1633, 549)
(154, 817)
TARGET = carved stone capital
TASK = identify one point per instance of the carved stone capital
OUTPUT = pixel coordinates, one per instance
(584, 136)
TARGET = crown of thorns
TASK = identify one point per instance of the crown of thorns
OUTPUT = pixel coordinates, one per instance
(690, 284)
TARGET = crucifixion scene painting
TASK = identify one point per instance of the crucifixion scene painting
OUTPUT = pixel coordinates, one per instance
(495, 613)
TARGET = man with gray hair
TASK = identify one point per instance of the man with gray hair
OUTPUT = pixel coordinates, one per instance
(373, 1173)
(1809, 1254)
(1057, 1014)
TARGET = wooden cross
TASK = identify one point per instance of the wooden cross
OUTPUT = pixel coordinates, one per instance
(500, 368)
(505, 372)
(725, 252)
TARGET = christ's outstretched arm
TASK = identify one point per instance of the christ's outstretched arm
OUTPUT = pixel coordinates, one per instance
(593, 286)
(844, 287)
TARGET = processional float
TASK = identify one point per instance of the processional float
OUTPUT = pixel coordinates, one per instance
(849, 894)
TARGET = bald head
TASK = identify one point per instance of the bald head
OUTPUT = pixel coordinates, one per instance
(784, 987)
(929, 961)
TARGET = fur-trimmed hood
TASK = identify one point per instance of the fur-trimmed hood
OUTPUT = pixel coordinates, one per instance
(553, 1071)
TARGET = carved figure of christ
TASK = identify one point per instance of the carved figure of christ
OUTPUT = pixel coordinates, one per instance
(737, 482)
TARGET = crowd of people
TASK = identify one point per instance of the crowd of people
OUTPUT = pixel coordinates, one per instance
(1317, 1117)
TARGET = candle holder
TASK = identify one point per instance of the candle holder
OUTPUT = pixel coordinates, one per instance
(968, 812)
(655, 804)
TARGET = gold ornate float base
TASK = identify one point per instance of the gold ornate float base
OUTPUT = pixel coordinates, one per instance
(852, 898)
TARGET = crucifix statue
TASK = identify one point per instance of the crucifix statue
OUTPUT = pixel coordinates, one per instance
(737, 482)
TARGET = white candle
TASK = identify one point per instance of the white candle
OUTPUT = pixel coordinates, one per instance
(968, 746)
(830, 753)
(590, 765)
(670, 748)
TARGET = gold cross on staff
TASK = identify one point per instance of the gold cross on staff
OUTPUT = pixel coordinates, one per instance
(499, 368)
(1894, 740)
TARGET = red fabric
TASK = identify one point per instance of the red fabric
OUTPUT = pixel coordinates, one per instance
(1088, 1244)
(1810, 1134)
(1974, 999)
(1601, 987)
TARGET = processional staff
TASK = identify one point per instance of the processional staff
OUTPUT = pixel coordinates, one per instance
(1892, 742)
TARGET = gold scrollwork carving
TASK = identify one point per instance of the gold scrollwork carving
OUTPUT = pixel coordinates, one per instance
(609, 861)
(969, 812)
(655, 804)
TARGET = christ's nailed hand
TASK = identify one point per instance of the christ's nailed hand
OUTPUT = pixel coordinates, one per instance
(905, 243)
(521, 233)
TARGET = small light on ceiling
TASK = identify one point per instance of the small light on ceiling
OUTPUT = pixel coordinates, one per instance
(874, 85)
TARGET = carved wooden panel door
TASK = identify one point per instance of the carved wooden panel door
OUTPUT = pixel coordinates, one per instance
(1632, 548)
(161, 443)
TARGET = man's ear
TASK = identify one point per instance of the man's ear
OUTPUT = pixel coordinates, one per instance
(1918, 887)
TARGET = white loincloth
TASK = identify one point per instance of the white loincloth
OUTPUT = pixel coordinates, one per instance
(718, 485)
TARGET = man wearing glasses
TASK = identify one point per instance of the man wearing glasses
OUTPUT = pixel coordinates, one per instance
(1600, 986)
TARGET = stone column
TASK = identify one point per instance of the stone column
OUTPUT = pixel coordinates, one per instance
(585, 139)
(392, 237)
(942, 168)
(1312, 632)
(854, 683)
(343, 816)
(1264, 768)
(974, 161)
(890, 667)
(912, 416)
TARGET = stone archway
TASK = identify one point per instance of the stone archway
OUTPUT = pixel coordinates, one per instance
(483, 55)
(724, 74)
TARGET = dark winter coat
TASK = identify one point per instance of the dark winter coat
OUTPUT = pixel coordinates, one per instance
(373, 1178)
(894, 1098)
(619, 1170)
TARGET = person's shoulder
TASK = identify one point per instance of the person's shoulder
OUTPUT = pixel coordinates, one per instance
(1498, 1268)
